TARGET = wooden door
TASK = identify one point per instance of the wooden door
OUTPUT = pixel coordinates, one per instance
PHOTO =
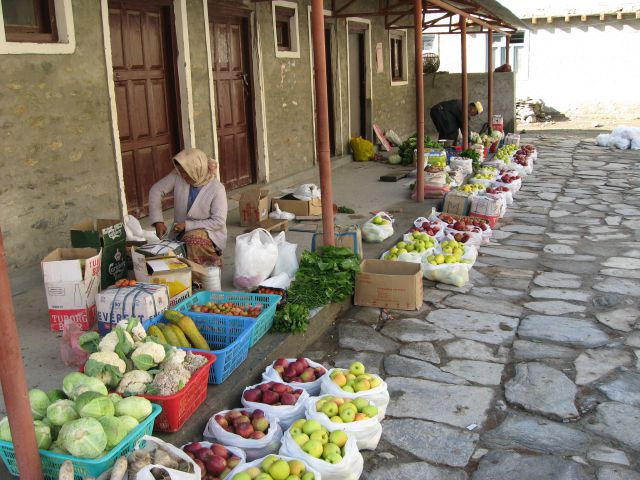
(230, 59)
(142, 50)
(357, 85)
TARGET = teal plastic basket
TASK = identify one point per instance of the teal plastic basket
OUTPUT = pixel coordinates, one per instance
(83, 467)
(262, 324)
(228, 337)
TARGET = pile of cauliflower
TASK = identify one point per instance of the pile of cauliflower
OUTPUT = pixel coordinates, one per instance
(132, 363)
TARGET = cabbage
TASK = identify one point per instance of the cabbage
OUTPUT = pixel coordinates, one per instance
(114, 429)
(55, 394)
(136, 407)
(39, 403)
(84, 438)
(128, 423)
(5, 431)
(43, 435)
(56, 447)
(77, 383)
(61, 412)
(93, 404)
(115, 398)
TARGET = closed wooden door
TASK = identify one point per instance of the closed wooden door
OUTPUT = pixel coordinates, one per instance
(232, 84)
(357, 85)
(142, 46)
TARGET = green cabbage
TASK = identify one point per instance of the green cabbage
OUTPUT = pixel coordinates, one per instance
(93, 404)
(56, 394)
(115, 398)
(136, 407)
(128, 423)
(61, 412)
(84, 438)
(5, 431)
(43, 435)
(39, 403)
(114, 429)
(56, 447)
(77, 383)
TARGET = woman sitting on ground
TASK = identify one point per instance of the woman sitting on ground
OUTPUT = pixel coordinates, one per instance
(200, 206)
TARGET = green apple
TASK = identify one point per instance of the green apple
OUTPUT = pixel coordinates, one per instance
(242, 476)
(348, 415)
(401, 245)
(279, 470)
(330, 449)
(370, 411)
(311, 426)
(313, 448)
(348, 388)
(297, 467)
(293, 477)
(347, 406)
(337, 419)
(321, 436)
(330, 409)
(264, 476)
(320, 404)
(362, 385)
(360, 403)
(334, 459)
(301, 438)
(308, 476)
(253, 472)
(298, 424)
(266, 463)
(375, 382)
(356, 368)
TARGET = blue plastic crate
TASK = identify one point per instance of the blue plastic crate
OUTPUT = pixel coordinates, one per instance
(83, 467)
(262, 324)
(228, 337)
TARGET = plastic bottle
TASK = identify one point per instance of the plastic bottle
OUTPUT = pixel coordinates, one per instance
(212, 281)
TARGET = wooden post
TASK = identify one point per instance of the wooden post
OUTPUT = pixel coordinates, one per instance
(322, 120)
(14, 384)
(465, 93)
(419, 101)
(489, 77)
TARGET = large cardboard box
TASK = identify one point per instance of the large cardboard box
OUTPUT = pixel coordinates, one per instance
(349, 237)
(386, 284)
(300, 208)
(171, 271)
(71, 282)
(108, 235)
(253, 207)
(143, 301)
(456, 203)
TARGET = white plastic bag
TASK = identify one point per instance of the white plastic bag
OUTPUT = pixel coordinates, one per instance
(238, 452)
(148, 443)
(635, 143)
(253, 448)
(255, 257)
(287, 261)
(312, 388)
(602, 140)
(487, 204)
(367, 433)
(306, 192)
(463, 164)
(412, 257)
(350, 468)
(475, 238)
(619, 142)
(277, 281)
(280, 215)
(286, 414)
(378, 395)
(258, 462)
(377, 233)
(456, 274)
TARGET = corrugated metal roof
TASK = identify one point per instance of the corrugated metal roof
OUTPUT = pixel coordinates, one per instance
(502, 12)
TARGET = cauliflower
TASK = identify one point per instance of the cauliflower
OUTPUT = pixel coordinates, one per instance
(106, 366)
(175, 356)
(134, 327)
(134, 382)
(193, 362)
(147, 355)
(171, 379)
(114, 339)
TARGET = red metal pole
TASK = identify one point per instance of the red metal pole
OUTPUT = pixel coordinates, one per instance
(322, 119)
(507, 53)
(490, 77)
(465, 92)
(419, 101)
(14, 384)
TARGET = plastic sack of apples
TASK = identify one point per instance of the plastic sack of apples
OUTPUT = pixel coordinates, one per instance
(349, 468)
(473, 237)
(266, 464)
(149, 444)
(378, 228)
(366, 431)
(378, 394)
(456, 274)
(278, 400)
(223, 428)
(297, 373)
(434, 228)
(213, 459)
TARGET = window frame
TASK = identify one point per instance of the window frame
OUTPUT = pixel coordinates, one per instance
(285, 11)
(23, 40)
(45, 30)
(283, 23)
(400, 36)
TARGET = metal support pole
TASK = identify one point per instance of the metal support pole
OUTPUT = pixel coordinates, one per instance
(507, 53)
(419, 101)
(14, 384)
(322, 120)
(465, 92)
(490, 77)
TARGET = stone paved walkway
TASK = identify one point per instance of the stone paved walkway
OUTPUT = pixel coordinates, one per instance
(532, 371)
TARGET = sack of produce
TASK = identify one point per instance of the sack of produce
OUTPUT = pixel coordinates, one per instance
(214, 459)
(276, 466)
(162, 456)
(255, 258)
(357, 417)
(435, 178)
(333, 455)
(460, 163)
(276, 399)
(297, 373)
(356, 383)
(378, 228)
(488, 204)
(258, 437)
(362, 149)
(287, 259)
(450, 264)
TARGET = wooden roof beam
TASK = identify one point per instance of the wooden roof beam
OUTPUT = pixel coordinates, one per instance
(462, 13)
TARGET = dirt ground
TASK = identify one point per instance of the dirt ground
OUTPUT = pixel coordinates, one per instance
(597, 123)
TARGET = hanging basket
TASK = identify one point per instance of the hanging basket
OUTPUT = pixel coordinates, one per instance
(430, 62)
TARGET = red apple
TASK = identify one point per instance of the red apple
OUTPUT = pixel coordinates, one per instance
(279, 369)
(204, 454)
(319, 371)
(233, 414)
(257, 435)
(244, 430)
(279, 388)
(221, 420)
(234, 460)
(203, 469)
(241, 419)
(257, 414)
(192, 447)
(290, 372)
(253, 395)
(216, 465)
(220, 450)
(296, 380)
(281, 362)
(288, 399)
(265, 386)
(260, 424)
(303, 361)
(270, 397)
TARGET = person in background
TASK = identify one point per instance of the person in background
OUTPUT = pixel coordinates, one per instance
(447, 117)
(200, 206)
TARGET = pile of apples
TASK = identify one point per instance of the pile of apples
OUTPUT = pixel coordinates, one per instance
(355, 379)
(346, 410)
(495, 190)
(298, 371)
(215, 462)
(470, 188)
(317, 441)
(253, 425)
(452, 252)
(228, 308)
(429, 228)
(378, 220)
(484, 176)
(421, 243)
(509, 178)
(463, 224)
(275, 468)
(504, 153)
(273, 393)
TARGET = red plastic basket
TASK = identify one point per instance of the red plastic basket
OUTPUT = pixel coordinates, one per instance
(178, 408)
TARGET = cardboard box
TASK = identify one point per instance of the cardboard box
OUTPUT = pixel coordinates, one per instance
(171, 271)
(108, 235)
(300, 208)
(163, 248)
(144, 301)
(71, 282)
(253, 207)
(385, 284)
(348, 237)
(456, 203)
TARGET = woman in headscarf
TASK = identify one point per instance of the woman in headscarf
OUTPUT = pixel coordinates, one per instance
(200, 206)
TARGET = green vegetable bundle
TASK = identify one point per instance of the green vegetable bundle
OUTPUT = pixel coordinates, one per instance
(409, 146)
